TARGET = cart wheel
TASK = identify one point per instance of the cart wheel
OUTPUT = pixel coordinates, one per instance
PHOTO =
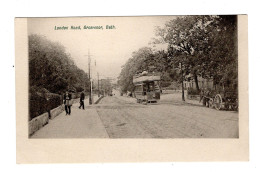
(211, 105)
(218, 101)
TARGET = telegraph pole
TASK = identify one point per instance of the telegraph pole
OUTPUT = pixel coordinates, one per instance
(98, 84)
(90, 86)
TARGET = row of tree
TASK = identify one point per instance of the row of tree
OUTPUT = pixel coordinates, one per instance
(145, 59)
(51, 68)
(204, 46)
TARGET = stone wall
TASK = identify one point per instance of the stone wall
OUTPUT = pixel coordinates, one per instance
(38, 122)
(99, 98)
(55, 112)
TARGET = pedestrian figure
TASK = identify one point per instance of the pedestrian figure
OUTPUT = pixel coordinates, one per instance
(82, 97)
(67, 102)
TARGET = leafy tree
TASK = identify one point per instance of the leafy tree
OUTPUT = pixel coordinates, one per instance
(146, 60)
(52, 68)
(203, 45)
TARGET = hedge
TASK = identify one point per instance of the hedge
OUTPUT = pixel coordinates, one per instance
(192, 91)
(39, 104)
(41, 101)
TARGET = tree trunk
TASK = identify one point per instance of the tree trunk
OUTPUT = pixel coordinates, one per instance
(196, 81)
(182, 85)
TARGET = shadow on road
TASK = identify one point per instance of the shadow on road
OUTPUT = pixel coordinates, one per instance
(179, 104)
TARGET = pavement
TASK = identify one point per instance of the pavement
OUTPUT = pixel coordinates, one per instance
(121, 117)
(80, 124)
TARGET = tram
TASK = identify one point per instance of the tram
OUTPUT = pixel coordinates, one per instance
(147, 88)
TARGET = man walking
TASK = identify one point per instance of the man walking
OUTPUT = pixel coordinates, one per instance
(82, 97)
(67, 102)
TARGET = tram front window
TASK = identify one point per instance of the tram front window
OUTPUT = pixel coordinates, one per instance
(150, 87)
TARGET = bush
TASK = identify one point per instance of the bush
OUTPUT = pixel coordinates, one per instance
(192, 91)
(39, 104)
(76, 95)
(36, 106)
(54, 100)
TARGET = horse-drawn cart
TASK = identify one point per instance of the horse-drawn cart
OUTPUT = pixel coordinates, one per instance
(220, 100)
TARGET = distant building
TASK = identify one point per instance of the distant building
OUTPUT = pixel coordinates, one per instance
(203, 83)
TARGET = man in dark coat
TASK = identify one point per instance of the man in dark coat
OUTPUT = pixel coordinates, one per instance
(67, 102)
(82, 97)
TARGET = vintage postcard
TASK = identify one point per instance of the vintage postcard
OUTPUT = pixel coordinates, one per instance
(132, 89)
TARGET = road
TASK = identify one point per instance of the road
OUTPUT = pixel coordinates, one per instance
(122, 117)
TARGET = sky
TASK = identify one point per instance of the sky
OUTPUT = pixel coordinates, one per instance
(109, 48)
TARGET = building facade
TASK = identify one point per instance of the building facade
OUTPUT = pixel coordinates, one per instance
(203, 83)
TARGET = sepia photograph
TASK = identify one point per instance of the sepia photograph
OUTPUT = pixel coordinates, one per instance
(131, 89)
(159, 77)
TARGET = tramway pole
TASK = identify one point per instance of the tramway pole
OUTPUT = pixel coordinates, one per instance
(98, 84)
(90, 86)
